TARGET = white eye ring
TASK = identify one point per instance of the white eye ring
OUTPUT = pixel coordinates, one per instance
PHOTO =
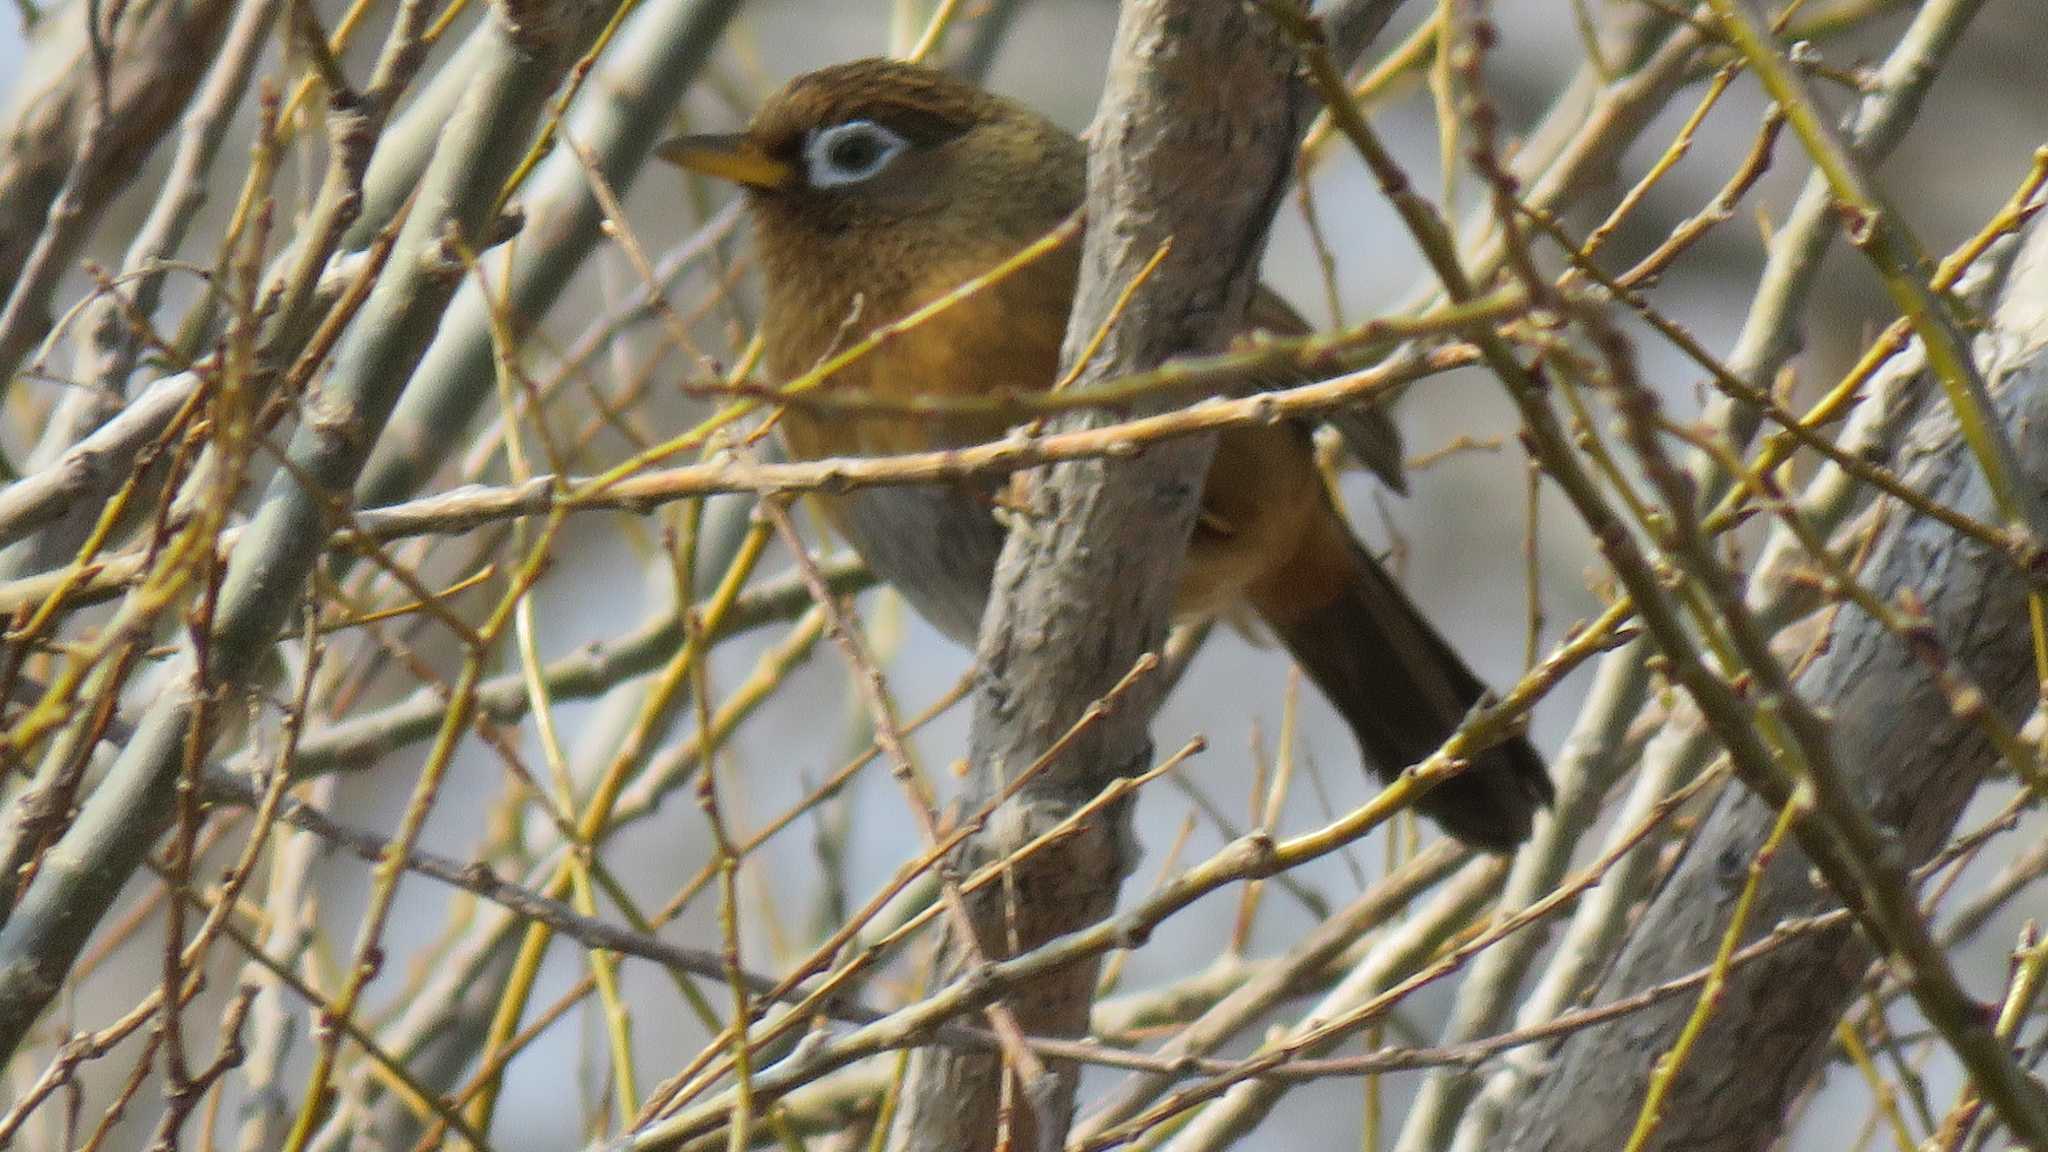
(849, 153)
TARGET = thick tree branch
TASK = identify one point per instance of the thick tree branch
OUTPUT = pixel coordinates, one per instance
(619, 118)
(1587, 765)
(1914, 762)
(1191, 147)
(107, 346)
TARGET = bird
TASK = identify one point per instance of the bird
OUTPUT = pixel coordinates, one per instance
(876, 187)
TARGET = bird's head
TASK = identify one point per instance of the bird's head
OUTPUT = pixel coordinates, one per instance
(865, 150)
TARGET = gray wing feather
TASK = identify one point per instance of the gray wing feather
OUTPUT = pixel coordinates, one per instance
(1368, 430)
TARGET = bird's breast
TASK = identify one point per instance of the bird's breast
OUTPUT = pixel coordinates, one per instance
(937, 543)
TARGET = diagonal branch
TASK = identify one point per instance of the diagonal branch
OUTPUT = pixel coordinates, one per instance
(534, 44)
(1902, 748)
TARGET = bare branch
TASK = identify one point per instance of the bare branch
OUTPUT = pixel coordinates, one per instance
(266, 573)
(74, 142)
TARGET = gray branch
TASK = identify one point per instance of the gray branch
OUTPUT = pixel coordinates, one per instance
(70, 146)
(532, 45)
(1192, 142)
(1914, 762)
(619, 119)
(108, 346)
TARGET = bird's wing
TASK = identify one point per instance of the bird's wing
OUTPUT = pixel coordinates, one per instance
(1368, 430)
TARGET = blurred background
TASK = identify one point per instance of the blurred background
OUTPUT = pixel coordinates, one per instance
(1458, 540)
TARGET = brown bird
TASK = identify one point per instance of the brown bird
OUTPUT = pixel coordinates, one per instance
(876, 187)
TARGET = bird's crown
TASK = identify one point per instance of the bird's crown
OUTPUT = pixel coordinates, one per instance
(922, 105)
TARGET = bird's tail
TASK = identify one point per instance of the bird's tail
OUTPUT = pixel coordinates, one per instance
(1398, 684)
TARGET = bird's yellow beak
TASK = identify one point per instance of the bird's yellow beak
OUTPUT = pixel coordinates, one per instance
(730, 156)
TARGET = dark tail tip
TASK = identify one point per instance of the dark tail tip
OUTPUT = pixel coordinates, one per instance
(1492, 804)
(1404, 691)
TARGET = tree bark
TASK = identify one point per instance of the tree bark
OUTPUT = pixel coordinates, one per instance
(1915, 764)
(1192, 144)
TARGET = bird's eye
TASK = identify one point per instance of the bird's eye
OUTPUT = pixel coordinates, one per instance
(850, 153)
